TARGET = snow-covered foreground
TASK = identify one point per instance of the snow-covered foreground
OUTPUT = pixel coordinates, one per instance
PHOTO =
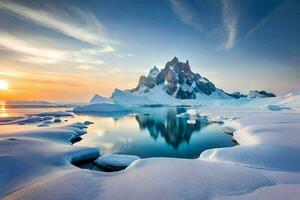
(266, 164)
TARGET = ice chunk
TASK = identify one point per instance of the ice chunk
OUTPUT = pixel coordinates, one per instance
(57, 120)
(228, 130)
(277, 107)
(115, 161)
(88, 123)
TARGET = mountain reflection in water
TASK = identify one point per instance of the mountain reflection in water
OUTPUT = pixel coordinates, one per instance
(175, 130)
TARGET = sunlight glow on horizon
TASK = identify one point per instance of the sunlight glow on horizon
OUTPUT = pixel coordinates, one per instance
(4, 85)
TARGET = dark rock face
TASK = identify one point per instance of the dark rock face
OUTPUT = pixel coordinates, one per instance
(266, 94)
(147, 82)
(237, 95)
(260, 94)
(178, 80)
(181, 82)
(185, 94)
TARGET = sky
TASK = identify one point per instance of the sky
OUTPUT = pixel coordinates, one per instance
(70, 50)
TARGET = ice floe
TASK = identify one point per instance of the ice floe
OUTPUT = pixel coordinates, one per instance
(115, 161)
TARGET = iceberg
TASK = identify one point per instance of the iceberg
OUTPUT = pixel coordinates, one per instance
(100, 99)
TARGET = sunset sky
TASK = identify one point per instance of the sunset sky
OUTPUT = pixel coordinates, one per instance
(70, 50)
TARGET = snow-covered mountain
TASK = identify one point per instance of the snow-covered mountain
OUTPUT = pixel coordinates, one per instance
(177, 80)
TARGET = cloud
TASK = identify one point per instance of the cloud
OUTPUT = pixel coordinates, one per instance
(107, 49)
(230, 15)
(32, 51)
(185, 14)
(29, 50)
(84, 67)
(71, 22)
(10, 73)
(230, 19)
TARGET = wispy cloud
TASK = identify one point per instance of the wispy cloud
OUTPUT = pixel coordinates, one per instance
(185, 13)
(32, 51)
(230, 18)
(12, 73)
(71, 22)
(230, 15)
(107, 49)
(84, 67)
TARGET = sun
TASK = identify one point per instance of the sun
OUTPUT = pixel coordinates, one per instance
(3, 85)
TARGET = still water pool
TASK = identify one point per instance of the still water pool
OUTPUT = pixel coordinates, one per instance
(152, 132)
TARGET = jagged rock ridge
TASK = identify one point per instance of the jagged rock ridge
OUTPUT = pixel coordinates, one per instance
(178, 80)
(260, 94)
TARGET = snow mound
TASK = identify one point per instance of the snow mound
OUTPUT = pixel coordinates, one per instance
(165, 178)
(281, 191)
(257, 156)
(129, 99)
(100, 99)
(115, 161)
(100, 107)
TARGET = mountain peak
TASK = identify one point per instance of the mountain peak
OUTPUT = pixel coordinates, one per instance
(178, 80)
(175, 59)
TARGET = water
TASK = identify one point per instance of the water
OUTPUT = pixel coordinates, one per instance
(153, 132)
(147, 132)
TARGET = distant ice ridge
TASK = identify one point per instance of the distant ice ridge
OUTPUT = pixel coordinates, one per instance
(121, 101)
(100, 107)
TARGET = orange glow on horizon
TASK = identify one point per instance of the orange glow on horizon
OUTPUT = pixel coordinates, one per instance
(62, 86)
